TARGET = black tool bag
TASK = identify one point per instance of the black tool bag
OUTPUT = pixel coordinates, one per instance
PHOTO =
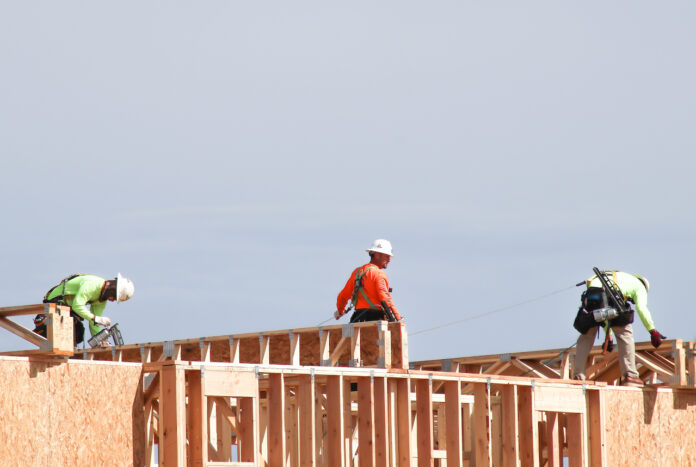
(584, 321)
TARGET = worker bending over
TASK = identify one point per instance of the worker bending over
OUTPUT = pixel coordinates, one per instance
(368, 287)
(79, 290)
(634, 289)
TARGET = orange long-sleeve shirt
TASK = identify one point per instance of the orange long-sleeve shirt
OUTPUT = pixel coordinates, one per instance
(375, 286)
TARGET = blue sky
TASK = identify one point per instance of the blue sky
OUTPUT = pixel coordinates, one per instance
(236, 158)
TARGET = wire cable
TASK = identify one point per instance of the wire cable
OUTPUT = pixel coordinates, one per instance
(498, 310)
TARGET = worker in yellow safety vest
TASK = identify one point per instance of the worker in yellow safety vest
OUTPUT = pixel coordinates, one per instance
(634, 289)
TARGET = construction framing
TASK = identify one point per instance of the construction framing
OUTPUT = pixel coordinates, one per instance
(672, 364)
(337, 396)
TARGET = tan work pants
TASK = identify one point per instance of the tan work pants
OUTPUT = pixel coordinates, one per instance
(626, 347)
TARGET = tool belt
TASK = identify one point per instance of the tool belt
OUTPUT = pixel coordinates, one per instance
(595, 298)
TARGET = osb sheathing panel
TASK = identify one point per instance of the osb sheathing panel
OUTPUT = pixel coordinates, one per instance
(73, 413)
(653, 427)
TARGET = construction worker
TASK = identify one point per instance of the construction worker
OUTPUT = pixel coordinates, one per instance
(79, 290)
(634, 289)
(368, 287)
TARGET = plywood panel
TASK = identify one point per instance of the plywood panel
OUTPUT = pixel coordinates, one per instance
(46, 407)
(656, 426)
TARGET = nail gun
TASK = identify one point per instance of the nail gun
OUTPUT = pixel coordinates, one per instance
(103, 336)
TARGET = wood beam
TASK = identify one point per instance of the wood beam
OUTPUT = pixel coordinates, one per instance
(424, 422)
(453, 432)
(276, 419)
(172, 416)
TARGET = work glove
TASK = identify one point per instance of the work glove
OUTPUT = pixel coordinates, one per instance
(656, 338)
(102, 320)
(337, 314)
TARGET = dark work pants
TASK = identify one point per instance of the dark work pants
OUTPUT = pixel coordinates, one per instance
(360, 316)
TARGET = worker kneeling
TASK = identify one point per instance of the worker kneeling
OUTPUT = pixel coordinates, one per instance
(79, 290)
(368, 288)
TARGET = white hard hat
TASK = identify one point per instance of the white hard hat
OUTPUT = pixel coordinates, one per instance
(644, 280)
(124, 288)
(381, 246)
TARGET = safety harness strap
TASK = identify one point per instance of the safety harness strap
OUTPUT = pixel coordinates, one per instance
(358, 288)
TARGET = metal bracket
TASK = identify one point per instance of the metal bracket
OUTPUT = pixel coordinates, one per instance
(347, 330)
(381, 362)
(325, 362)
(256, 372)
(311, 374)
(231, 340)
(532, 386)
(354, 363)
(168, 349)
(488, 384)
(372, 375)
(201, 343)
(260, 338)
(321, 331)
(142, 350)
(113, 352)
(290, 335)
(505, 357)
(446, 364)
(380, 341)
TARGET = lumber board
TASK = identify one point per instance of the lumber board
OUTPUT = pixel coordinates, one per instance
(276, 420)
(424, 422)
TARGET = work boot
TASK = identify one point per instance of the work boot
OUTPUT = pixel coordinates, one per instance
(631, 381)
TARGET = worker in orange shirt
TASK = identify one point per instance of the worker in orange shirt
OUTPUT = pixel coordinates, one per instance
(368, 287)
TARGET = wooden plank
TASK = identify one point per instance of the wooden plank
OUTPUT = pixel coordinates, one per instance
(348, 432)
(565, 366)
(276, 419)
(223, 382)
(292, 422)
(173, 416)
(649, 363)
(23, 332)
(334, 420)
(424, 414)
(553, 448)
(679, 356)
(305, 398)
(453, 438)
(22, 310)
(691, 364)
(198, 420)
(596, 415)
(234, 349)
(482, 425)
(226, 423)
(338, 350)
(355, 349)
(381, 419)
(366, 427)
(576, 440)
(403, 419)
(324, 354)
(205, 350)
(510, 425)
(295, 348)
(384, 343)
(247, 434)
(559, 399)
(264, 349)
(528, 443)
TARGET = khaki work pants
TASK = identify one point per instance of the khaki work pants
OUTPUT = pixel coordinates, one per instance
(626, 347)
